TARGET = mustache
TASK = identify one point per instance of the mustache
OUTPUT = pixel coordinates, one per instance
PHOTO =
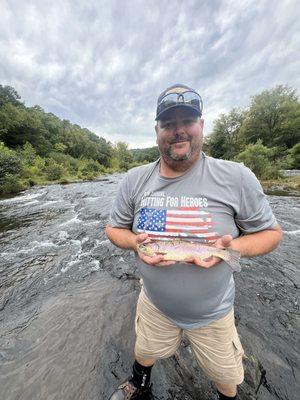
(179, 139)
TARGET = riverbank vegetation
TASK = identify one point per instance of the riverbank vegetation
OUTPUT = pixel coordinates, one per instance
(265, 136)
(38, 148)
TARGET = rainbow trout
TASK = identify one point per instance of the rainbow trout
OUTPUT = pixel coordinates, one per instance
(182, 250)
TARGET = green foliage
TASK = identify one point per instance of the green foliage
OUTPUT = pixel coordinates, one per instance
(70, 163)
(10, 163)
(89, 169)
(294, 154)
(225, 141)
(19, 125)
(60, 147)
(141, 156)
(47, 133)
(28, 153)
(10, 183)
(9, 95)
(123, 156)
(38, 146)
(265, 136)
(259, 159)
(274, 118)
(54, 171)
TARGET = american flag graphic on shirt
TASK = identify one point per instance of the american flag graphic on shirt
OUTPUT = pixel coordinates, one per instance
(187, 222)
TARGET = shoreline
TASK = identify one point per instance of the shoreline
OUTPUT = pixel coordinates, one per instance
(289, 186)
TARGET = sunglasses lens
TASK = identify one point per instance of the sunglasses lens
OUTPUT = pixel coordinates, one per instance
(168, 101)
(187, 97)
(192, 98)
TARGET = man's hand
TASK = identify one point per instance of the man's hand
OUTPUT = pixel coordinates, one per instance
(222, 243)
(156, 260)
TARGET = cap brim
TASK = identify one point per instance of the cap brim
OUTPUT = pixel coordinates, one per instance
(186, 106)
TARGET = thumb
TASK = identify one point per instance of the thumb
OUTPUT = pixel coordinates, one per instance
(141, 237)
(226, 240)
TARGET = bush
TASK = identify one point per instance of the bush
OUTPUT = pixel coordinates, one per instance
(259, 159)
(10, 163)
(70, 163)
(11, 184)
(54, 171)
(90, 168)
(295, 156)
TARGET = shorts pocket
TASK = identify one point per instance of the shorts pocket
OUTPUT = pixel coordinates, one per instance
(136, 321)
(237, 346)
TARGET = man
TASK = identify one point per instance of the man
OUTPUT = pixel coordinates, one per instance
(187, 194)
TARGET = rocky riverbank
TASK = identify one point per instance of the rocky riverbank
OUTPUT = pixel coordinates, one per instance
(288, 186)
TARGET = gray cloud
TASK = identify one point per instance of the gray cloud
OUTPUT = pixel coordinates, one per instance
(102, 64)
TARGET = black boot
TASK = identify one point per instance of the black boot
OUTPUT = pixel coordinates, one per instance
(223, 397)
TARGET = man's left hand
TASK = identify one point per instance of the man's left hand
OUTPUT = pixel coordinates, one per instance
(222, 243)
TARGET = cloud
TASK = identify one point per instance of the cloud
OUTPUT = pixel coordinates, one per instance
(102, 64)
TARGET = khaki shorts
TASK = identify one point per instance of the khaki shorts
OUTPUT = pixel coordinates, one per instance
(217, 347)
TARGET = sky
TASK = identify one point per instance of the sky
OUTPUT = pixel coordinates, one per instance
(102, 64)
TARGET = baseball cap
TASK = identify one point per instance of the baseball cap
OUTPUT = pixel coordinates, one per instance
(178, 95)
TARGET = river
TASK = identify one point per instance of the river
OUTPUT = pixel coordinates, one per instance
(68, 296)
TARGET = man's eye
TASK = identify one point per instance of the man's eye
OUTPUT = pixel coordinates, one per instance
(168, 125)
(189, 121)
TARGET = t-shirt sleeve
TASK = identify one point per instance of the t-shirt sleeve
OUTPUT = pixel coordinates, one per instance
(122, 212)
(254, 213)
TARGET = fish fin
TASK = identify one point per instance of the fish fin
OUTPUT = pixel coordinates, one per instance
(234, 260)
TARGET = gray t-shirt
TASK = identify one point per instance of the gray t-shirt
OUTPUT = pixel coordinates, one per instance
(214, 198)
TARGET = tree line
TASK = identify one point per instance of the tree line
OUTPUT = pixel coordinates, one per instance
(265, 136)
(37, 147)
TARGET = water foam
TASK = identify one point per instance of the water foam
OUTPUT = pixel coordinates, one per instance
(22, 198)
(96, 265)
(30, 203)
(74, 220)
(35, 245)
(292, 233)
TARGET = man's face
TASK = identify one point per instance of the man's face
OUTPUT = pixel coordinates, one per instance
(180, 138)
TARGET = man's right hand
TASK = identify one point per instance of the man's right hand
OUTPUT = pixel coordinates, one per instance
(155, 260)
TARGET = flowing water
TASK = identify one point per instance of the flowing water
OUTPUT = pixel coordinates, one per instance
(67, 303)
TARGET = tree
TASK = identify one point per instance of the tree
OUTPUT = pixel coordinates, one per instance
(259, 159)
(10, 163)
(294, 153)
(225, 141)
(273, 117)
(148, 154)
(9, 95)
(21, 125)
(123, 155)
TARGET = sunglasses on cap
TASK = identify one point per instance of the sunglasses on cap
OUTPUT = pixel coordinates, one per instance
(189, 99)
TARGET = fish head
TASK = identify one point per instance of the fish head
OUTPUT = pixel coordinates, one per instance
(149, 249)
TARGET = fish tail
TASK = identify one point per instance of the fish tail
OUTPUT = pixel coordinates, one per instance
(234, 260)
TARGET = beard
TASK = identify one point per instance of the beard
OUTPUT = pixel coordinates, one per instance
(177, 157)
(181, 162)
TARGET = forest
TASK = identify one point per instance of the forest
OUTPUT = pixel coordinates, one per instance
(37, 147)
